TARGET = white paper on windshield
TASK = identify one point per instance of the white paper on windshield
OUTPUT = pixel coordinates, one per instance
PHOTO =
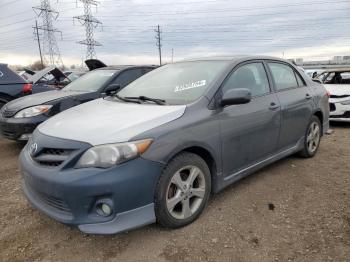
(184, 87)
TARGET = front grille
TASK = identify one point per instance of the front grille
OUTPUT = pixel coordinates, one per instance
(345, 115)
(52, 157)
(331, 107)
(342, 96)
(53, 202)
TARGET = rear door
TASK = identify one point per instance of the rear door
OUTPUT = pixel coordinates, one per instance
(296, 102)
(249, 131)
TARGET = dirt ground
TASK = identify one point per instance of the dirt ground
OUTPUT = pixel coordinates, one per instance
(293, 210)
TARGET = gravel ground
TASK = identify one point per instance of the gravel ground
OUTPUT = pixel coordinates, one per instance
(294, 210)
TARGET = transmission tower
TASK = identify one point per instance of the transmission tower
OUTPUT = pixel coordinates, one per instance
(50, 48)
(90, 23)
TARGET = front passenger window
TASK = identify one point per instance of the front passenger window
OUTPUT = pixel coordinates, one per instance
(250, 76)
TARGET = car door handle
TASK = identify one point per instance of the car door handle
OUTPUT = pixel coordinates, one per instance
(273, 106)
(308, 96)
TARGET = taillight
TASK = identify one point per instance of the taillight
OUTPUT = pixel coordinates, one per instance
(27, 88)
(328, 93)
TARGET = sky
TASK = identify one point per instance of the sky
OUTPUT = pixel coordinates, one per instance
(314, 29)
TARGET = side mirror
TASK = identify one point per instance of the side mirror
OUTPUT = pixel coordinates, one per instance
(317, 80)
(236, 97)
(112, 89)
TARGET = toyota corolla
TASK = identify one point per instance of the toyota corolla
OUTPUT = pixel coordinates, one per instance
(157, 149)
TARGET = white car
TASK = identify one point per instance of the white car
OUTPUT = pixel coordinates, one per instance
(337, 83)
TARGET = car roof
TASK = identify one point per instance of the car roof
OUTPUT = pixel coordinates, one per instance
(122, 67)
(235, 58)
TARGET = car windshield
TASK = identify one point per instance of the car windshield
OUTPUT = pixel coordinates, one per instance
(90, 82)
(179, 83)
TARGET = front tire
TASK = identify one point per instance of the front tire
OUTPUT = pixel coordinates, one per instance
(182, 191)
(312, 138)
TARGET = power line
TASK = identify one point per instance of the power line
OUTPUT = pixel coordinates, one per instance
(159, 43)
(36, 33)
(9, 3)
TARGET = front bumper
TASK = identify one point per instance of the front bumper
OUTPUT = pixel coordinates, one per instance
(14, 128)
(70, 195)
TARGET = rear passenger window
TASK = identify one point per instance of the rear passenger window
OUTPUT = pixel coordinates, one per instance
(283, 75)
(251, 76)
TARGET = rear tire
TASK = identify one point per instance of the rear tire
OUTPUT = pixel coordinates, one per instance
(182, 191)
(312, 138)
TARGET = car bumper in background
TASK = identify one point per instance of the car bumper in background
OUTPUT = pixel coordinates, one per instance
(19, 128)
(339, 111)
(73, 196)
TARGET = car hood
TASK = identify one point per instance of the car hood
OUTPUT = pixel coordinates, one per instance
(104, 121)
(39, 99)
(338, 90)
(57, 73)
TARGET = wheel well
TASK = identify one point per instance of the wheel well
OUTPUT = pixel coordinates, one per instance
(206, 155)
(320, 117)
(4, 97)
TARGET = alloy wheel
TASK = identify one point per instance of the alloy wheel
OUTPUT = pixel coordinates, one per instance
(185, 192)
(313, 137)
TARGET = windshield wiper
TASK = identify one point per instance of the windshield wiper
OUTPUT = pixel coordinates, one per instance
(146, 98)
(125, 99)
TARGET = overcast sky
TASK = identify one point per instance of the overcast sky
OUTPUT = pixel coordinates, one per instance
(314, 29)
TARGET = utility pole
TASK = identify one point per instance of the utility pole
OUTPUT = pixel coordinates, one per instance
(90, 24)
(50, 48)
(36, 33)
(158, 43)
(172, 55)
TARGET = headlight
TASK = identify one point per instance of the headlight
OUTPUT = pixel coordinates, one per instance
(346, 103)
(33, 111)
(105, 156)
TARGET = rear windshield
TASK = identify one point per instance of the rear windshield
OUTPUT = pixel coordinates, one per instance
(91, 82)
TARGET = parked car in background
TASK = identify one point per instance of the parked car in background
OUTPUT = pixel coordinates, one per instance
(337, 82)
(74, 75)
(157, 149)
(26, 73)
(19, 118)
(12, 85)
(48, 79)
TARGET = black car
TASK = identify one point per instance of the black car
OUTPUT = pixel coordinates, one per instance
(20, 117)
(12, 85)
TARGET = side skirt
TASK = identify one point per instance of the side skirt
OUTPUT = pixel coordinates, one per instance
(228, 180)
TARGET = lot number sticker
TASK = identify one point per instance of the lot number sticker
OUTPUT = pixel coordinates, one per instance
(184, 87)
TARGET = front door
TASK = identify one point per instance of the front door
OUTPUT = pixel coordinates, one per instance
(249, 131)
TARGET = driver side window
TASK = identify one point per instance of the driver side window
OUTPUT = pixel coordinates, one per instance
(250, 76)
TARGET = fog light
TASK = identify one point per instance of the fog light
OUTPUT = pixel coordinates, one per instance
(25, 137)
(106, 209)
